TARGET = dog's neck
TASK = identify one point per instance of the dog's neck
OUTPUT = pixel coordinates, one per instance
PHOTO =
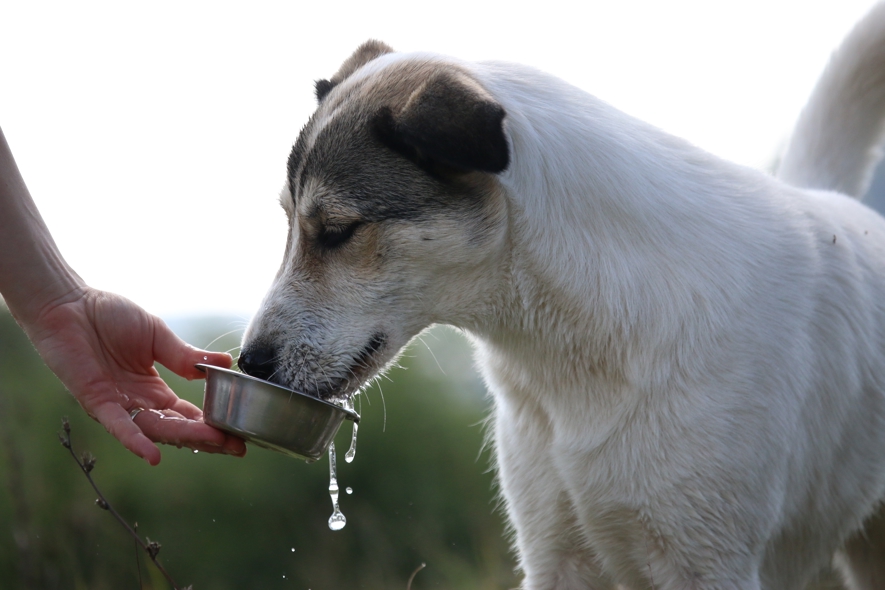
(606, 212)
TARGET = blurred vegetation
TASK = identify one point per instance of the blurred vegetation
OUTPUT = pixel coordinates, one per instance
(422, 491)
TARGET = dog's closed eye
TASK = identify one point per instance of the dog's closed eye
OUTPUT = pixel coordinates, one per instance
(334, 236)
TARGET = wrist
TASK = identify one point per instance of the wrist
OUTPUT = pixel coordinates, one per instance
(34, 276)
(51, 282)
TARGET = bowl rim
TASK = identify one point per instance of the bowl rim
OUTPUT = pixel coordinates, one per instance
(348, 414)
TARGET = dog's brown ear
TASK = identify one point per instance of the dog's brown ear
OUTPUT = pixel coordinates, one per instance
(449, 122)
(363, 55)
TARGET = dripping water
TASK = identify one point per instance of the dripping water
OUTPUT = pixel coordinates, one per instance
(337, 520)
(351, 452)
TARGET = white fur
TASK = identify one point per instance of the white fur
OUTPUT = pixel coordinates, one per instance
(689, 391)
(687, 357)
(838, 139)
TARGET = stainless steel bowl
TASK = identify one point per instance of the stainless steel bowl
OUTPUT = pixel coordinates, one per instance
(269, 415)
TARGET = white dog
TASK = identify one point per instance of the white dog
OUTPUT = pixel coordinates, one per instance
(687, 357)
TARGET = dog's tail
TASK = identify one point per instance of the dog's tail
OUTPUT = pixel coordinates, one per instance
(836, 143)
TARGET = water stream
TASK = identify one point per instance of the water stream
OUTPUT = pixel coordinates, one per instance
(337, 520)
(351, 452)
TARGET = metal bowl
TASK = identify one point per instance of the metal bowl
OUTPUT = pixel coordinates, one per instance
(269, 415)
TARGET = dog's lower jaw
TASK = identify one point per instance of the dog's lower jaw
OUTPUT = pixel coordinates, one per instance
(343, 383)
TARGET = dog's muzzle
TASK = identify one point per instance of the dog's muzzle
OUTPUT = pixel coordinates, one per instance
(258, 361)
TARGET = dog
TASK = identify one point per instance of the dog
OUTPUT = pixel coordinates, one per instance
(686, 357)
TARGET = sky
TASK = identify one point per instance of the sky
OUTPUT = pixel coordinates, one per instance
(154, 136)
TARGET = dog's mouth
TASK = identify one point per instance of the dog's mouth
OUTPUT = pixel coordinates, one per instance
(361, 369)
(364, 358)
(310, 373)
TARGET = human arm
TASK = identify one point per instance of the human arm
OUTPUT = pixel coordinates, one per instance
(102, 346)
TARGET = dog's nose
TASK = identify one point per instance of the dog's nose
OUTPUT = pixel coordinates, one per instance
(258, 361)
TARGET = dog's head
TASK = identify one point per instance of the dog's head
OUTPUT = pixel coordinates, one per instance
(396, 221)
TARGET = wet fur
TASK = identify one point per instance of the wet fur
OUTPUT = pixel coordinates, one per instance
(686, 357)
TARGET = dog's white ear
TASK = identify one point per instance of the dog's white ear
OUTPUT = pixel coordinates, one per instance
(363, 55)
(449, 123)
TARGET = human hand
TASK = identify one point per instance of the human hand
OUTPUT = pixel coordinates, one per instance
(103, 348)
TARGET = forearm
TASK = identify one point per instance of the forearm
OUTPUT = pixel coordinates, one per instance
(33, 273)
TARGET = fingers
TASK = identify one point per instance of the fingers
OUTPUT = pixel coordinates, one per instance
(172, 428)
(234, 446)
(104, 349)
(179, 357)
(117, 421)
(166, 426)
(187, 409)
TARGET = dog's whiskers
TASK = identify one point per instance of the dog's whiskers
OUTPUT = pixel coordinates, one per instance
(383, 407)
(430, 350)
(279, 367)
(217, 338)
(296, 378)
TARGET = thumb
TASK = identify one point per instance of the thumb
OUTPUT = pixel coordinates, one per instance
(180, 357)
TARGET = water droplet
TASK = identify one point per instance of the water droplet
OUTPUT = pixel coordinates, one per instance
(351, 452)
(337, 520)
(206, 358)
(196, 451)
(336, 523)
(349, 490)
(293, 550)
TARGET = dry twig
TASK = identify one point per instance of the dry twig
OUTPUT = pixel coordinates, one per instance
(87, 464)
(415, 573)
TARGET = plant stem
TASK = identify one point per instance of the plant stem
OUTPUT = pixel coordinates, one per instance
(415, 573)
(151, 548)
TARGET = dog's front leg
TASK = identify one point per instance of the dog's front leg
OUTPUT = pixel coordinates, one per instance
(550, 550)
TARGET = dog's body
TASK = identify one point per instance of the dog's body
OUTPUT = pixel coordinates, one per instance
(687, 357)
